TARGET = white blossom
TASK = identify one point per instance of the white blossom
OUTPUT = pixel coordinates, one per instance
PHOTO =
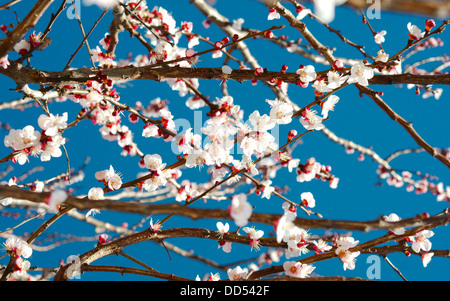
(360, 73)
(52, 124)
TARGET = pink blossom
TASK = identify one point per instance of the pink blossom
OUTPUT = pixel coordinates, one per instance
(297, 269)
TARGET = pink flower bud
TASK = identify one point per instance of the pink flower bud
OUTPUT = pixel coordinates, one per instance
(429, 24)
(292, 134)
(190, 52)
(259, 71)
(103, 238)
(338, 65)
(269, 34)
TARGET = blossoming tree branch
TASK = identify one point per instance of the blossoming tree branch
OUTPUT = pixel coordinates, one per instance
(228, 172)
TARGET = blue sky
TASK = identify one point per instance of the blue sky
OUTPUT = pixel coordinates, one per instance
(357, 119)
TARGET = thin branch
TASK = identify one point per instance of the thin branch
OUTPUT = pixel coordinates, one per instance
(405, 124)
(394, 267)
(29, 22)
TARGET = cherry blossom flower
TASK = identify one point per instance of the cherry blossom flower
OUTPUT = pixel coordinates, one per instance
(345, 243)
(22, 47)
(297, 242)
(284, 227)
(55, 198)
(4, 62)
(21, 157)
(290, 211)
(104, 60)
(321, 246)
(379, 37)
(187, 192)
(110, 178)
(360, 73)
(335, 79)
(273, 14)
(306, 74)
(320, 86)
(310, 120)
(21, 139)
(394, 218)
(348, 258)
(265, 142)
(325, 9)
(18, 247)
(426, 258)
(92, 212)
(382, 56)
(293, 163)
(150, 130)
(436, 93)
(302, 12)
(240, 209)
(421, 241)
(157, 180)
(51, 147)
(280, 112)
(103, 238)
(21, 266)
(266, 189)
(154, 162)
(96, 193)
(246, 163)
(414, 32)
(217, 54)
(308, 171)
(237, 273)
(248, 146)
(222, 229)
(52, 124)
(154, 227)
(214, 277)
(297, 269)
(197, 157)
(429, 24)
(261, 123)
(328, 105)
(225, 245)
(226, 71)
(308, 199)
(254, 236)
(35, 39)
(442, 194)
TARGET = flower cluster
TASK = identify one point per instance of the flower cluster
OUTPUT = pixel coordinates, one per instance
(314, 170)
(19, 249)
(343, 245)
(28, 141)
(297, 239)
(110, 178)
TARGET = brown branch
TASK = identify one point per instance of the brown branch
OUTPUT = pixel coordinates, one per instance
(29, 22)
(9, 4)
(25, 75)
(405, 124)
(331, 254)
(220, 214)
(301, 27)
(123, 270)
